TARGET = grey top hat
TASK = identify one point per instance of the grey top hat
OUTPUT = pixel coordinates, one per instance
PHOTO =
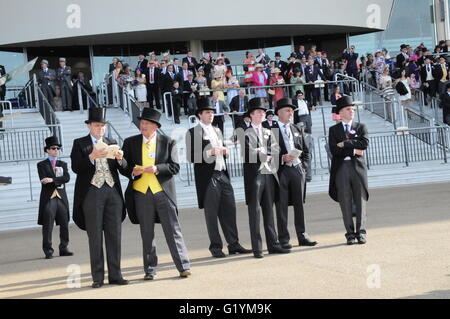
(44, 62)
(62, 59)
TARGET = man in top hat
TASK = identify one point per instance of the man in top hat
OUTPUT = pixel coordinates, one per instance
(46, 79)
(293, 159)
(282, 65)
(269, 122)
(98, 204)
(151, 164)
(348, 141)
(64, 77)
(260, 152)
(402, 57)
(53, 203)
(302, 111)
(206, 150)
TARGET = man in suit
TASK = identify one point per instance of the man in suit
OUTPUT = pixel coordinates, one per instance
(191, 61)
(301, 53)
(291, 175)
(428, 76)
(142, 63)
(167, 85)
(302, 111)
(151, 164)
(260, 153)
(112, 65)
(312, 74)
(238, 104)
(153, 76)
(190, 97)
(269, 122)
(402, 57)
(348, 141)
(53, 203)
(64, 77)
(206, 150)
(98, 204)
(324, 68)
(445, 104)
(352, 61)
(46, 80)
(221, 108)
(282, 65)
(176, 67)
(442, 75)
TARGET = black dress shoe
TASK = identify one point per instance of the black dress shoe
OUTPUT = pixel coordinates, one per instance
(48, 256)
(286, 246)
(258, 254)
(149, 277)
(351, 241)
(307, 242)
(279, 250)
(120, 282)
(218, 254)
(65, 253)
(97, 284)
(361, 239)
(239, 250)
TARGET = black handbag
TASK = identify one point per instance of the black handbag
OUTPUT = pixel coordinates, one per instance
(401, 88)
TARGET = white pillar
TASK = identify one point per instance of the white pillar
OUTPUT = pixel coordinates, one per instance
(196, 46)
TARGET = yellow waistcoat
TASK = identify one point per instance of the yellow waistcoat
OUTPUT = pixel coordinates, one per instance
(148, 180)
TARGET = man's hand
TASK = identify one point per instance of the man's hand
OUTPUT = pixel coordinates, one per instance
(119, 155)
(287, 158)
(150, 169)
(314, 108)
(137, 171)
(46, 180)
(359, 152)
(341, 144)
(98, 153)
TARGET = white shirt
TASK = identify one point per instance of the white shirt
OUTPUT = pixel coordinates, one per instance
(349, 129)
(302, 107)
(211, 134)
(288, 142)
(429, 72)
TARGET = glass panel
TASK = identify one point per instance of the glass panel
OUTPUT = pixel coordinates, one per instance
(411, 23)
(10, 61)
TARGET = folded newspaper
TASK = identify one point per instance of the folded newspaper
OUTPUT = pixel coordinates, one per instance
(112, 149)
(295, 153)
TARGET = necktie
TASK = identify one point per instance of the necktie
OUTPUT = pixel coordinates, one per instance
(53, 164)
(286, 131)
(346, 129)
(151, 75)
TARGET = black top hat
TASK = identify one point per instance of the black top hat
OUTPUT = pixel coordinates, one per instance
(51, 141)
(269, 112)
(343, 102)
(284, 102)
(96, 114)
(151, 115)
(277, 54)
(298, 92)
(403, 46)
(204, 104)
(256, 103)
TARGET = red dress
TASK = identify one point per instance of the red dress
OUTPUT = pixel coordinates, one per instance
(279, 91)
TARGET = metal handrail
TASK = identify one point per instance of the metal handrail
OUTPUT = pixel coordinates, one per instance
(10, 111)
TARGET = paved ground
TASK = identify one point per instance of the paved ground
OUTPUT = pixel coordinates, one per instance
(408, 247)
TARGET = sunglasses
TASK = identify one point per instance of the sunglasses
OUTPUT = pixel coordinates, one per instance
(54, 148)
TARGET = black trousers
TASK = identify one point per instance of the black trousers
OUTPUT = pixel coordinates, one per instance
(103, 215)
(220, 205)
(292, 180)
(153, 94)
(55, 209)
(218, 122)
(148, 207)
(261, 200)
(430, 90)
